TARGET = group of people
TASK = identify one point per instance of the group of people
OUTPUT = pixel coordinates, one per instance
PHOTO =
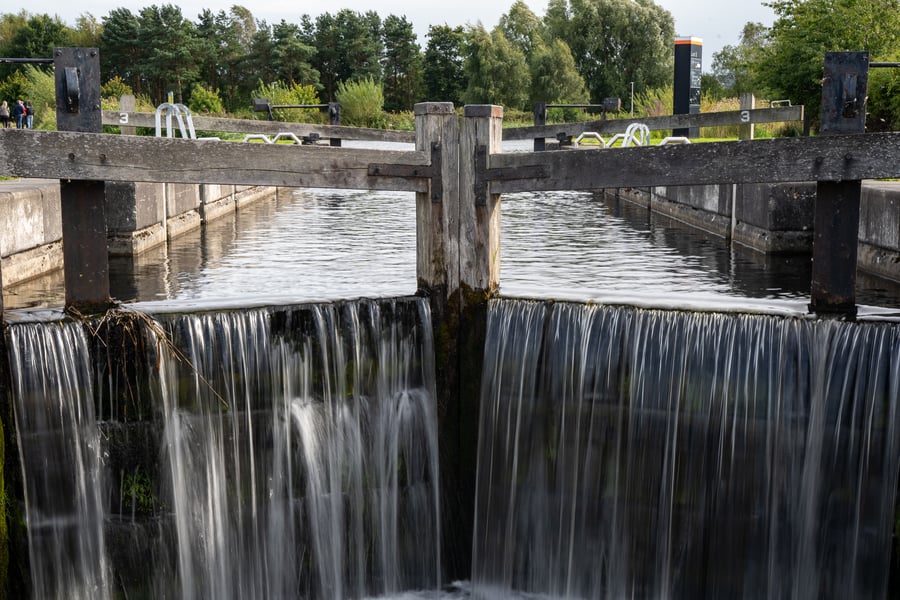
(22, 114)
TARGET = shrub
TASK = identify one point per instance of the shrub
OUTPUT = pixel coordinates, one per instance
(362, 103)
(281, 93)
(205, 100)
(115, 88)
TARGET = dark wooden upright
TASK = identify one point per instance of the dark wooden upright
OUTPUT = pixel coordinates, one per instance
(833, 285)
(85, 258)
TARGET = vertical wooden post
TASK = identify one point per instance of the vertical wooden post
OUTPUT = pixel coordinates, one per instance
(437, 211)
(833, 285)
(85, 259)
(540, 118)
(334, 118)
(747, 102)
(479, 209)
(127, 104)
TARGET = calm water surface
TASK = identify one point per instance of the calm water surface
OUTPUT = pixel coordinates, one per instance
(334, 244)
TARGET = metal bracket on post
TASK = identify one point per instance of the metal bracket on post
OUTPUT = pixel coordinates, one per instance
(833, 284)
(485, 175)
(431, 171)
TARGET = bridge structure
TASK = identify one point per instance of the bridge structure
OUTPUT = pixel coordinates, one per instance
(457, 170)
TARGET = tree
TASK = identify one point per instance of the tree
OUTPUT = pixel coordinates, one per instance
(615, 42)
(172, 60)
(293, 55)
(442, 69)
(401, 64)
(87, 32)
(120, 56)
(522, 28)
(804, 30)
(554, 77)
(348, 46)
(36, 38)
(496, 71)
(734, 66)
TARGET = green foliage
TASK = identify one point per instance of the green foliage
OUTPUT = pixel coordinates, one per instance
(734, 68)
(204, 100)
(443, 72)
(362, 103)
(495, 69)
(38, 87)
(402, 64)
(615, 42)
(554, 77)
(137, 492)
(281, 93)
(348, 48)
(883, 112)
(115, 88)
(14, 88)
(804, 30)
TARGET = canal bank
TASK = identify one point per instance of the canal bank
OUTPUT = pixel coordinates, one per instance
(778, 219)
(139, 216)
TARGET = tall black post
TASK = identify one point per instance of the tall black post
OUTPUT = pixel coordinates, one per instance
(688, 71)
(540, 118)
(334, 118)
(833, 285)
(85, 258)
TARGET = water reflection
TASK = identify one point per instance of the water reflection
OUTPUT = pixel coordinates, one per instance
(330, 244)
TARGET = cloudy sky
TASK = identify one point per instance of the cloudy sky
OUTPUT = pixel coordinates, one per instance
(716, 22)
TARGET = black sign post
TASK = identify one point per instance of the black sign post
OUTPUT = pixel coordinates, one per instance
(688, 71)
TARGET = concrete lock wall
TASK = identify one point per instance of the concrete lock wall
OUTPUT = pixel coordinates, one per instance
(30, 229)
(140, 216)
(779, 218)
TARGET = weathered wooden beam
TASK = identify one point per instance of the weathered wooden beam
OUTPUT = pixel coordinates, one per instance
(716, 119)
(832, 158)
(437, 210)
(82, 202)
(148, 120)
(836, 223)
(480, 142)
(90, 156)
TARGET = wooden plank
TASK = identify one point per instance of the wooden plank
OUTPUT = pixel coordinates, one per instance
(148, 120)
(832, 158)
(92, 156)
(611, 126)
(479, 205)
(437, 212)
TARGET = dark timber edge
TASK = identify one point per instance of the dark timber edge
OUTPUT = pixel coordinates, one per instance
(85, 258)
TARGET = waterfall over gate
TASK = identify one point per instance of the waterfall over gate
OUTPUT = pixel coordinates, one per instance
(297, 454)
(627, 453)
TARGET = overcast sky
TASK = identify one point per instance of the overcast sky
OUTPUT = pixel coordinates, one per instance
(716, 22)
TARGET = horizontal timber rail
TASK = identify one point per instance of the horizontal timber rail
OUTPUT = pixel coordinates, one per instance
(102, 157)
(148, 120)
(755, 116)
(90, 156)
(824, 158)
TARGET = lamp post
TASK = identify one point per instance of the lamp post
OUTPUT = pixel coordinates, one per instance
(632, 98)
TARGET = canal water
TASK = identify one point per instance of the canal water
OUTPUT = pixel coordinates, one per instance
(332, 244)
(624, 451)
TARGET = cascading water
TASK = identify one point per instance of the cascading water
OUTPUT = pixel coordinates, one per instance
(299, 455)
(626, 453)
(60, 449)
(304, 462)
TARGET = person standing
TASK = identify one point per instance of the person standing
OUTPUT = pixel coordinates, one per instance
(19, 114)
(29, 115)
(4, 115)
